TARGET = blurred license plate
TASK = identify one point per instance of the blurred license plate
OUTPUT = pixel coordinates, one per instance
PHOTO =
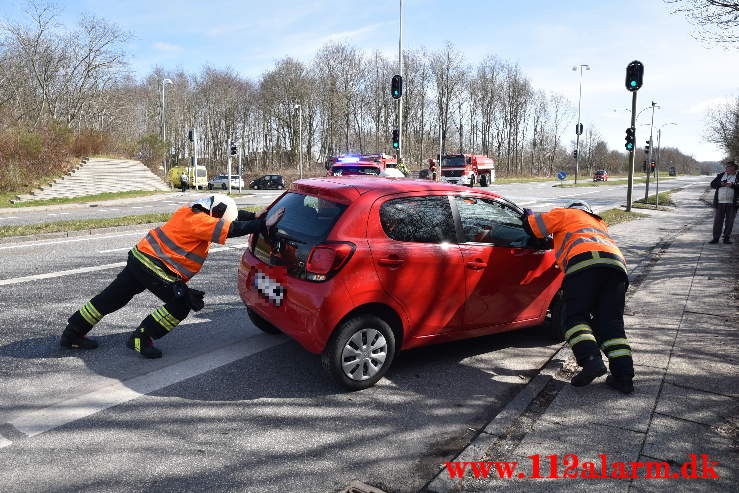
(269, 288)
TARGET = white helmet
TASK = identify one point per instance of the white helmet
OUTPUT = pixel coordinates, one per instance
(219, 205)
(580, 204)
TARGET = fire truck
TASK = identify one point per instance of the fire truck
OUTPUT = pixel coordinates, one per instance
(359, 164)
(466, 169)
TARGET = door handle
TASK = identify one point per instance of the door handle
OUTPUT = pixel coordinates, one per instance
(476, 265)
(391, 262)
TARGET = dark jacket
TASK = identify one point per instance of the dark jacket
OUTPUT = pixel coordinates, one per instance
(716, 183)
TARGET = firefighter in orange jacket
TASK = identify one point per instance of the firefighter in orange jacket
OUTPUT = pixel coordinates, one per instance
(162, 262)
(594, 290)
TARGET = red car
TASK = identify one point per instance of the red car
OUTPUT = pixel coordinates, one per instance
(600, 175)
(360, 268)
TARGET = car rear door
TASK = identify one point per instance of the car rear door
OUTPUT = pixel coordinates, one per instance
(509, 278)
(414, 251)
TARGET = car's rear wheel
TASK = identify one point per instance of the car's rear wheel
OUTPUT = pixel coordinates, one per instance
(360, 352)
(223, 186)
(484, 180)
(261, 323)
(555, 318)
(210, 186)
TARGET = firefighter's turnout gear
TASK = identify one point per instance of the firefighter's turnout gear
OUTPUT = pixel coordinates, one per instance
(594, 290)
(162, 262)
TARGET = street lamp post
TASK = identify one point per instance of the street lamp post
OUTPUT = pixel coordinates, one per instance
(578, 127)
(300, 138)
(164, 127)
(651, 150)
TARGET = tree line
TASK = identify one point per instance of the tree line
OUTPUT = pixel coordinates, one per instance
(74, 86)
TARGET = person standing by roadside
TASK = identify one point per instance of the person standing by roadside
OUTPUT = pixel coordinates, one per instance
(184, 181)
(725, 201)
(594, 289)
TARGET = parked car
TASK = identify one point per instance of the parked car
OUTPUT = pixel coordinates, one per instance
(221, 181)
(361, 267)
(600, 175)
(268, 182)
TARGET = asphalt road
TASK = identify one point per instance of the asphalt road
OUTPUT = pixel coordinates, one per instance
(227, 408)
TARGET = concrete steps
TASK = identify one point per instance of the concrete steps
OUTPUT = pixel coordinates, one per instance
(99, 175)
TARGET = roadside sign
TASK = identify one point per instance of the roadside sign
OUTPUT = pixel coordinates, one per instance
(561, 175)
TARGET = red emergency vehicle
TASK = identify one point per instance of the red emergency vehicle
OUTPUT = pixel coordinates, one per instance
(466, 169)
(359, 164)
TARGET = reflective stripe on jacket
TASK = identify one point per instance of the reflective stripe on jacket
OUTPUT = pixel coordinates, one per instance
(182, 243)
(580, 239)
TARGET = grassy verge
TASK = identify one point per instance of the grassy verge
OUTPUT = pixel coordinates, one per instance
(665, 200)
(616, 216)
(5, 198)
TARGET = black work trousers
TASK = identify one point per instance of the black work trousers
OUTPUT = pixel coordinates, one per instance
(594, 301)
(132, 280)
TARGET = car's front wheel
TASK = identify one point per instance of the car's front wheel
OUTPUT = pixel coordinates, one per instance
(210, 186)
(360, 352)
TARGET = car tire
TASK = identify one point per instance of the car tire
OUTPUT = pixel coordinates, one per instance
(484, 180)
(210, 186)
(555, 318)
(223, 186)
(261, 323)
(359, 352)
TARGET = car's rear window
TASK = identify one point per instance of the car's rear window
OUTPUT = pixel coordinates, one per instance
(307, 221)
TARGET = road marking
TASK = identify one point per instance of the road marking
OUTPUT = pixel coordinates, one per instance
(69, 240)
(10, 217)
(36, 422)
(61, 273)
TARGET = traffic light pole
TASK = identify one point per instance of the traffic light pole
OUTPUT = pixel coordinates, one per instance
(630, 186)
(400, 100)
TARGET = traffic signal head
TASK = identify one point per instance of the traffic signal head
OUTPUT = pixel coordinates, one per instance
(634, 75)
(646, 147)
(234, 149)
(396, 86)
(630, 139)
(191, 135)
(396, 139)
(574, 153)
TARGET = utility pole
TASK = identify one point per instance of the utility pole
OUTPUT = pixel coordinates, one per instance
(578, 127)
(400, 100)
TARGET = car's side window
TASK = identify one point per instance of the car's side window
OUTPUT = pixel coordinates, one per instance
(418, 219)
(491, 221)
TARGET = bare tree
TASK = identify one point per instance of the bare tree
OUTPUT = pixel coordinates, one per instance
(715, 20)
(723, 127)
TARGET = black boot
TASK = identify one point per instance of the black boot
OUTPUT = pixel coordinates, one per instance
(142, 343)
(73, 337)
(624, 385)
(592, 369)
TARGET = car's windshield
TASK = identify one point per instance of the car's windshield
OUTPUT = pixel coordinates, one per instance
(355, 170)
(450, 161)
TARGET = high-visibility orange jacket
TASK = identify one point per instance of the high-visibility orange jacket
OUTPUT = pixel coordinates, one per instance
(580, 239)
(182, 243)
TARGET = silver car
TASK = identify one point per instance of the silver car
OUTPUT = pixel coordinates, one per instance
(221, 181)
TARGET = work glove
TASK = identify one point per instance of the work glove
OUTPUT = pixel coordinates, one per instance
(195, 298)
(275, 218)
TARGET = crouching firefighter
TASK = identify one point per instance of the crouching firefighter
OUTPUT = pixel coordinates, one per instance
(594, 289)
(163, 262)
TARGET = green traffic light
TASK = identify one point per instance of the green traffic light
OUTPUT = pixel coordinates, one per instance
(632, 83)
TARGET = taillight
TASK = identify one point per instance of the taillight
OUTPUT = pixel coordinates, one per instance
(326, 259)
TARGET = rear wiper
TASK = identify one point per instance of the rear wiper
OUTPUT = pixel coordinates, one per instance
(284, 236)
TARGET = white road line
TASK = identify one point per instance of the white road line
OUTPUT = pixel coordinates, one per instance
(61, 273)
(36, 422)
(69, 240)
(9, 217)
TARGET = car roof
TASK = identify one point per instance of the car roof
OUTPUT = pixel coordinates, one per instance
(352, 187)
